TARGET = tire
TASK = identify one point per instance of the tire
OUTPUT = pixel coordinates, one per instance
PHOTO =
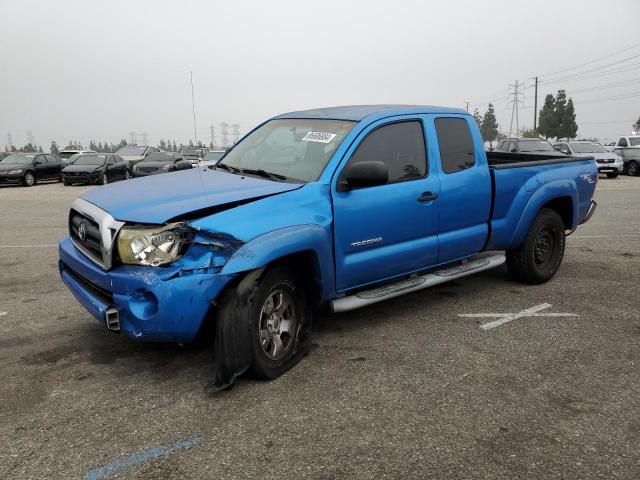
(632, 169)
(537, 260)
(612, 175)
(29, 179)
(127, 175)
(105, 179)
(266, 323)
(66, 182)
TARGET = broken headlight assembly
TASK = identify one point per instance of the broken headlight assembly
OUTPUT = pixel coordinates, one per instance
(153, 246)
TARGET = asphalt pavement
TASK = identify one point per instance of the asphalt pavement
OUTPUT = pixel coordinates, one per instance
(416, 387)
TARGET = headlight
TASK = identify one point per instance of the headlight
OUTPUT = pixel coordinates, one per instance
(151, 246)
(10, 172)
(166, 167)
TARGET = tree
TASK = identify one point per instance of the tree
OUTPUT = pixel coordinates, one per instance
(559, 106)
(174, 146)
(533, 133)
(54, 148)
(40, 149)
(489, 127)
(547, 126)
(477, 117)
(636, 126)
(568, 126)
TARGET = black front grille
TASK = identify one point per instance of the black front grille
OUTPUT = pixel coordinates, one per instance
(85, 232)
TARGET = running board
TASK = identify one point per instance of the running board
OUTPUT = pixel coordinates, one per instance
(367, 297)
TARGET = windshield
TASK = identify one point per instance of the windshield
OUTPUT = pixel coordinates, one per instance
(18, 158)
(73, 158)
(535, 146)
(634, 141)
(158, 157)
(67, 154)
(131, 151)
(298, 149)
(213, 156)
(90, 160)
(587, 148)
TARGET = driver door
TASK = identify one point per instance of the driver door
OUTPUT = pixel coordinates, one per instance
(387, 230)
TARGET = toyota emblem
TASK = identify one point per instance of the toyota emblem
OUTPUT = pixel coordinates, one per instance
(82, 232)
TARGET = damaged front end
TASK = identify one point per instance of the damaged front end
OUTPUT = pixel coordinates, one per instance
(160, 281)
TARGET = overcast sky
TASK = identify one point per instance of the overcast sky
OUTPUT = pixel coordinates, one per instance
(87, 70)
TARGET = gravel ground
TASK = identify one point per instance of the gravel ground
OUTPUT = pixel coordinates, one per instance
(402, 389)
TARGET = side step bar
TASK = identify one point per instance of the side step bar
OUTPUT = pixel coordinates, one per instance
(375, 295)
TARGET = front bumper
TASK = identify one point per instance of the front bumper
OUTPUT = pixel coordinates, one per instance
(12, 178)
(153, 304)
(88, 178)
(610, 167)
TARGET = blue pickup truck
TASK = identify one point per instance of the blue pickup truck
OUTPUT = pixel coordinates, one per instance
(338, 207)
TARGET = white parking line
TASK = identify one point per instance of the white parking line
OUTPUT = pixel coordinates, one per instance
(28, 246)
(508, 317)
(604, 236)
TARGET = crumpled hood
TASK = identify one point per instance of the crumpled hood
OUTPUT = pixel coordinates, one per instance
(152, 164)
(81, 168)
(132, 158)
(158, 198)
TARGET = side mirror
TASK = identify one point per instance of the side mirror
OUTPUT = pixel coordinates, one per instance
(364, 174)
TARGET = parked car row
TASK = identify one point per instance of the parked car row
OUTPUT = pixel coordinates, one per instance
(624, 157)
(74, 166)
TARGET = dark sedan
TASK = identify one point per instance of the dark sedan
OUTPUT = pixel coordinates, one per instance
(29, 168)
(160, 162)
(98, 169)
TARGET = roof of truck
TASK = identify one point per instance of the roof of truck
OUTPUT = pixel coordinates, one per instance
(360, 112)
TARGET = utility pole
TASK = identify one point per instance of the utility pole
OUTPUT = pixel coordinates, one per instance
(9, 141)
(193, 106)
(535, 105)
(30, 138)
(514, 109)
(133, 138)
(144, 138)
(467, 106)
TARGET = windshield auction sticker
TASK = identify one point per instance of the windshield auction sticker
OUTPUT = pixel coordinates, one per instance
(319, 137)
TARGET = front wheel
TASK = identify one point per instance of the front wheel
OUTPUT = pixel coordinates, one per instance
(29, 179)
(537, 260)
(612, 175)
(105, 179)
(127, 175)
(632, 169)
(263, 327)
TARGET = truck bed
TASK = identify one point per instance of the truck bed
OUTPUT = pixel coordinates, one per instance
(501, 160)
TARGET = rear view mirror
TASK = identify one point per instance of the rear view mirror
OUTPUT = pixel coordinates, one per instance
(364, 174)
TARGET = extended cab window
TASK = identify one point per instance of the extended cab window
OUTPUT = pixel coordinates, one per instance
(456, 146)
(623, 142)
(400, 146)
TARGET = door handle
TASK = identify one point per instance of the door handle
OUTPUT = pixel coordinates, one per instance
(427, 197)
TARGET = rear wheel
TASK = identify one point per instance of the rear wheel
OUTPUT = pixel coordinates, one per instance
(29, 179)
(538, 258)
(632, 169)
(612, 174)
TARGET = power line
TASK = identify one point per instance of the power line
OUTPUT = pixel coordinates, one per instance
(609, 99)
(596, 69)
(591, 61)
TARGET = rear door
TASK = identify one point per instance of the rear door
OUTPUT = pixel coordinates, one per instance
(465, 191)
(387, 230)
